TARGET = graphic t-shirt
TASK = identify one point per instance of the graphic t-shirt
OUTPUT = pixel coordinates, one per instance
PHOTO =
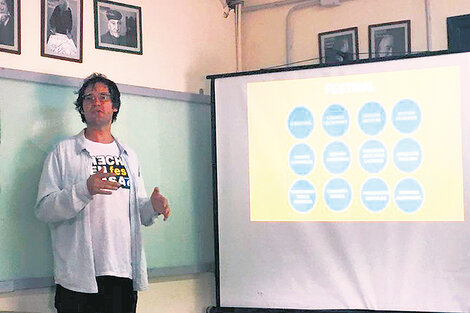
(109, 214)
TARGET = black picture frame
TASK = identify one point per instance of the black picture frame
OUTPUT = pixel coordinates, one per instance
(391, 39)
(338, 46)
(458, 33)
(118, 27)
(10, 27)
(62, 29)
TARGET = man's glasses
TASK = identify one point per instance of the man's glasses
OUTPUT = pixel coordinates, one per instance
(102, 97)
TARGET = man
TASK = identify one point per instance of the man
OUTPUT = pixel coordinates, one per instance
(113, 35)
(385, 46)
(61, 19)
(92, 196)
(60, 41)
(339, 52)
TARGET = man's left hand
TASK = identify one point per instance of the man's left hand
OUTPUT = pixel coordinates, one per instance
(160, 203)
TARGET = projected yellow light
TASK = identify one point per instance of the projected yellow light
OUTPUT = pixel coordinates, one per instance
(373, 147)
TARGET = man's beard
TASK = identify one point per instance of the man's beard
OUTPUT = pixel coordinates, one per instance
(115, 34)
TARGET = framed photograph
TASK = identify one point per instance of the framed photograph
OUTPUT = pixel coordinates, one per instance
(61, 29)
(118, 27)
(10, 30)
(458, 33)
(338, 46)
(389, 39)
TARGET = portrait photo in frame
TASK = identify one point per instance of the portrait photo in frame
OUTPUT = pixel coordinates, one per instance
(10, 26)
(338, 46)
(390, 39)
(118, 27)
(458, 33)
(61, 29)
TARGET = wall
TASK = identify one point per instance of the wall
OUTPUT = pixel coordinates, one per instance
(186, 40)
(183, 244)
(184, 294)
(440, 10)
(183, 41)
(264, 31)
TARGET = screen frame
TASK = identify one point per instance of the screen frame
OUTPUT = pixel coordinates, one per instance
(218, 308)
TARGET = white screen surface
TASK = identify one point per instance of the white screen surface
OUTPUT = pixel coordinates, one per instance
(357, 253)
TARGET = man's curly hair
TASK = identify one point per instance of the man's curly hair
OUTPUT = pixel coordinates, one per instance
(91, 81)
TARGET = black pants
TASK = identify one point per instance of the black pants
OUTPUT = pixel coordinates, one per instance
(115, 295)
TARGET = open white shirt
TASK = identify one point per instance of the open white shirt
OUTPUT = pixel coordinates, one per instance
(109, 214)
(63, 202)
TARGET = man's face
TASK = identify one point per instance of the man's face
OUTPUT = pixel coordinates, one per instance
(114, 27)
(3, 7)
(386, 46)
(345, 46)
(97, 106)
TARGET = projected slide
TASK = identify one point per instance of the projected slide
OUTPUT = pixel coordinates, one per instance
(372, 147)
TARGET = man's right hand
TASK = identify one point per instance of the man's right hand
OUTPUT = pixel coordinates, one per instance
(96, 184)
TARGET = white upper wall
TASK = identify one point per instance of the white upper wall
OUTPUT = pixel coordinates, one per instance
(183, 41)
(264, 31)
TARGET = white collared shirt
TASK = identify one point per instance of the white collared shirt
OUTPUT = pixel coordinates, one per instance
(63, 202)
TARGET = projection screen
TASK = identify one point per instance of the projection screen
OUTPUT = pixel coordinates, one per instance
(344, 187)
